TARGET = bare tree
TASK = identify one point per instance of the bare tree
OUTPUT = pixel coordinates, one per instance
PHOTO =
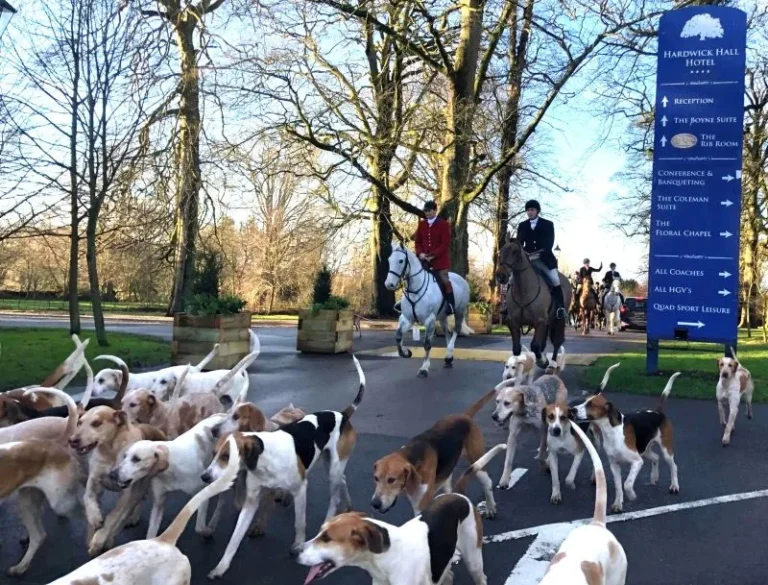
(185, 21)
(460, 45)
(77, 115)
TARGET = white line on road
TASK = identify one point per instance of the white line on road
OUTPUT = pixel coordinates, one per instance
(530, 569)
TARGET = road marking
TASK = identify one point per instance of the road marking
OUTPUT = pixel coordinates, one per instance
(531, 567)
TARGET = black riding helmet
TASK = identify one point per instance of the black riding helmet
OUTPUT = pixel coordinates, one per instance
(430, 206)
(613, 265)
(533, 204)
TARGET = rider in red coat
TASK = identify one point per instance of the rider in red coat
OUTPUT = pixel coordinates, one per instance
(433, 245)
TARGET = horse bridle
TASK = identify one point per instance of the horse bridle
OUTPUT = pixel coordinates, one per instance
(401, 277)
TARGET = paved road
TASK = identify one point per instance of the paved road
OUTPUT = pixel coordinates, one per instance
(707, 541)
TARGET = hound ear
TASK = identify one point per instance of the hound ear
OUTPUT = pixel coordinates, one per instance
(373, 537)
(412, 479)
(544, 415)
(161, 459)
(120, 417)
(151, 400)
(719, 364)
(253, 447)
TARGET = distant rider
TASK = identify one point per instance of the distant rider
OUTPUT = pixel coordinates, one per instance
(610, 276)
(433, 245)
(537, 236)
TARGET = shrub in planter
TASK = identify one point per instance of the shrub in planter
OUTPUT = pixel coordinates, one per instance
(208, 320)
(327, 326)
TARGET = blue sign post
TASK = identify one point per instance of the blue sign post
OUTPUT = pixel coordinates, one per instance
(693, 280)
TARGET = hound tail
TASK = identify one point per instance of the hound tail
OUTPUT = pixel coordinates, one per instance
(221, 386)
(255, 343)
(478, 465)
(561, 359)
(350, 410)
(68, 369)
(667, 390)
(475, 408)
(123, 378)
(71, 407)
(207, 359)
(601, 490)
(607, 375)
(223, 483)
(179, 385)
(86, 398)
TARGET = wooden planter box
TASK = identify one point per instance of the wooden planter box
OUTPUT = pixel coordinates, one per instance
(325, 332)
(195, 336)
(482, 323)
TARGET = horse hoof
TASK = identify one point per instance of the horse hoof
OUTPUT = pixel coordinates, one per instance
(422, 374)
(448, 362)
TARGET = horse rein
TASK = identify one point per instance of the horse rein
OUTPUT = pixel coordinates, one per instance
(401, 277)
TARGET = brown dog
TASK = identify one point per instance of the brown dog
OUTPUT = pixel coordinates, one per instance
(104, 432)
(425, 464)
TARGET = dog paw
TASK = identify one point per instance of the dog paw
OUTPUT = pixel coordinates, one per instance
(423, 374)
(17, 570)
(617, 508)
(675, 489)
(631, 495)
(726, 442)
(296, 549)
(206, 533)
(503, 484)
(571, 484)
(556, 499)
(486, 511)
(217, 573)
(257, 532)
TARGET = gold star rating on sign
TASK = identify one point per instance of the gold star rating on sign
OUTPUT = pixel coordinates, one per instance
(700, 71)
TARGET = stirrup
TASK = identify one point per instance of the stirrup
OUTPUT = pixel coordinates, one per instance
(561, 313)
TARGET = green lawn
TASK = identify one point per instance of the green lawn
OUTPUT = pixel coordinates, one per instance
(696, 361)
(59, 306)
(29, 355)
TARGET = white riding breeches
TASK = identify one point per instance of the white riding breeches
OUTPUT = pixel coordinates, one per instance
(552, 275)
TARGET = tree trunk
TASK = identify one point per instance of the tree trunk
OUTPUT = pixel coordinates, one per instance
(381, 248)
(459, 118)
(93, 277)
(74, 207)
(187, 165)
(516, 56)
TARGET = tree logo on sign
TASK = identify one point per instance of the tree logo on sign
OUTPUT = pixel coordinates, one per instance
(703, 26)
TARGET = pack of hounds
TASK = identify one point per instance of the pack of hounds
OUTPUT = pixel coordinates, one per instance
(181, 429)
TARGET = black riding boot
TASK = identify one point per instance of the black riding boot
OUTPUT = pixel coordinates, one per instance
(450, 303)
(557, 297)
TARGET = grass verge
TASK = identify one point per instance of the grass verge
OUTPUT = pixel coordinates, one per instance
(696, 361)
(29, 355)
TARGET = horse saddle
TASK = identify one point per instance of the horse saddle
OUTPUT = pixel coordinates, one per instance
(540, 268)
(440, 284)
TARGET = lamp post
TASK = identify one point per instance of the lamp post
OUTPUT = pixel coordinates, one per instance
(6, 12)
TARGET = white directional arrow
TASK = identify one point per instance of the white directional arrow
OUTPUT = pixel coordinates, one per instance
(727, 203)
(664, 101)
(663, 140)
(698, 324)
(726, 234)
(728, 178)
(664, 121)
(724, 292)
(724, 274)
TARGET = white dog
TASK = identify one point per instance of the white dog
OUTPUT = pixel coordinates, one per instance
(161, 383)
(591, 554)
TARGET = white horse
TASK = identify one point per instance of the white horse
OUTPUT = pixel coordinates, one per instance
(612, 307)
(422, 302)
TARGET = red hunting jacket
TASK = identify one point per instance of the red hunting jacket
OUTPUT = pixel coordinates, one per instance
(435, 240)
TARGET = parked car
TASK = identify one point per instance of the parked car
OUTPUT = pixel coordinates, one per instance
(634, 313)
